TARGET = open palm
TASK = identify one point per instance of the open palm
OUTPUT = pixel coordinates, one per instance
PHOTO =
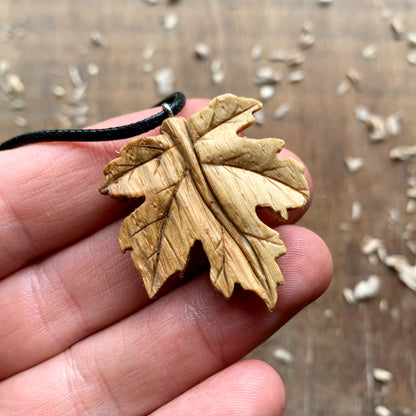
(78, 334)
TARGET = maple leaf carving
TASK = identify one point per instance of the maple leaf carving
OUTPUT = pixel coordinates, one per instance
(202, 182)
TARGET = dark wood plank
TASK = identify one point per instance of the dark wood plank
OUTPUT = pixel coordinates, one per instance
(335, 345)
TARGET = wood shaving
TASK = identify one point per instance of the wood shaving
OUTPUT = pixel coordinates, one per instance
(256, 52)
(282, 355)
(202, 50)
(376, 127)
(356, 211)
(354, 77)
(393, 124)
(75, 76)
(306, 38)
(343, 87)
(267, 75)
(92, 69)
(58, 91)
(411, 39)
(13, 84)
(367, 289)
(20, 122)
(411, 193)
(296, 76)
(402, 152)
(216, 71)
(362, 113)
(277, 55)
(369, 52)
(148, 51)
(348, 295)
(411, 207)
(382, 376)
(295, 58)
(397, 27)
(4, 67)
(411, 58)
(266, 92)
(371, 245)
(97, 39)
(382, 411)
(354, 164)
(406, 272)
(281, 111)
(170, 21)
(165, 80)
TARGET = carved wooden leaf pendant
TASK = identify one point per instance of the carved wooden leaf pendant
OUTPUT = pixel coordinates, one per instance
(201, 181)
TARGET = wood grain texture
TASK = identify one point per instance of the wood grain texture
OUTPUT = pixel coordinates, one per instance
(335, 345)
(202, 182)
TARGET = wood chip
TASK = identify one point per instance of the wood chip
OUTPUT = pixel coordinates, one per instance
(256, 52)
(411, 193)
(282, 355)
(397, 27)
(411, 207)
(20, 122)
(367, 289)
(393, 124)
(281, 111)
(165, 80)
(382, 411)
(411, 39)
(75, 76)
(406, 272)
(354, 77)
(148, 51)
(216, 71)
(371, 245)
(295, 58)
(267, 92)
(13, 84)
(343, 87)
(97, 39)
(354, 164)
(376, 127)
(382, 376)
(4, 67)
(296, 76)
(362, 113)
(202, 50)
(356, 211)
(92, 69)
(348, 295)
(411, 58)
(306, 39)
(369, 52)
(170, 21)
(58, 91)
(267, 75)
(402, 152)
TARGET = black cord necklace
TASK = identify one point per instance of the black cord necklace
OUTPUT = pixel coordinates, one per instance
(171, 106)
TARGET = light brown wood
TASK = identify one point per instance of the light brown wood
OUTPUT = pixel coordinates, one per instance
(202, 182)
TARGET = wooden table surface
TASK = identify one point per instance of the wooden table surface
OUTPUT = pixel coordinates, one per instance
(335, 345)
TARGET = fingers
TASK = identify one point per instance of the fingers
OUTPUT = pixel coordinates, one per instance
(245, 388)
(49, 193)
(171, 345)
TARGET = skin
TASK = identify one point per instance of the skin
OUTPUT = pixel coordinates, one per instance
(78, 335)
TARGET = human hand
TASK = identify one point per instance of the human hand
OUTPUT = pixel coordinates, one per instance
(78, 334)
